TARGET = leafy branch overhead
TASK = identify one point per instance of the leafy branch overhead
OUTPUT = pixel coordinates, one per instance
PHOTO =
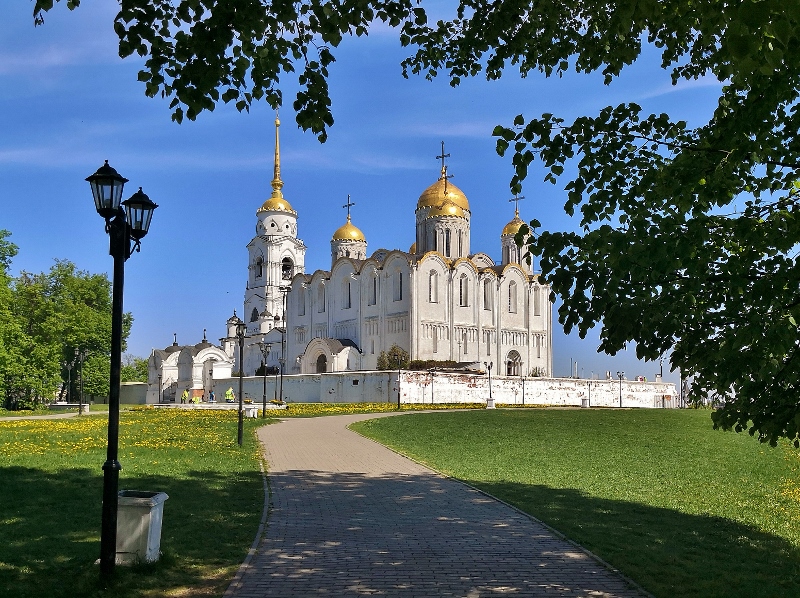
(687, 237)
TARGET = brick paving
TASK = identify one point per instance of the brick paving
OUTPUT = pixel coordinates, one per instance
(349, 517)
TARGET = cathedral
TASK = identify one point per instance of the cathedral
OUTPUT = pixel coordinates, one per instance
(437, 301)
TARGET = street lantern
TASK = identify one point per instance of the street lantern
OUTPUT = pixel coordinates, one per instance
(489, 370)
(620, 375)
(107, 185)
(265, 349)
(126, 224)
(80, 356)
(241, 329)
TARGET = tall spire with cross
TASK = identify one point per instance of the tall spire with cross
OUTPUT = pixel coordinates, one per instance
(277, 183)
(444, 176)
(516, 199)
(348, 205)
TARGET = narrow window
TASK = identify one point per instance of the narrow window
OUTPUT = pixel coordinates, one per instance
(463, 291)
(287, 269)
(537, 302)
(259, 267)
(254, 315)
(487, 295)
(433, 287)
(321, 298)
(512, 297)
(447, 242)
(398, 286)
(346, 298)
(460, 243)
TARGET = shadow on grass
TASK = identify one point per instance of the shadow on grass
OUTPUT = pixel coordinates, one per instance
(50, 531)
(668, 552)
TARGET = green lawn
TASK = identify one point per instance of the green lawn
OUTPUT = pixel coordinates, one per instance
(680, 508)
(50, 498)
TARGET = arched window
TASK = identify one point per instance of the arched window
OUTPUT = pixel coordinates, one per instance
(346, 298)
(287, 268)
(254, 315)
(463, 291)
(506, 258)
(487, 295)
(373, 290)
(447, 242)
(512, 297)
(433, 287)
(513, 364)
(537, 302)
(460, 243)
(321, 298)
(259, 268)
(301, 300)
(322, 364)
(398, 286)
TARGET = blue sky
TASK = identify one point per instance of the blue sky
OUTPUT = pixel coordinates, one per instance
(67, 102)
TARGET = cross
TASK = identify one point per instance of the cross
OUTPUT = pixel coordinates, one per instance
(444, 176)
(348, 205)
(516, 199)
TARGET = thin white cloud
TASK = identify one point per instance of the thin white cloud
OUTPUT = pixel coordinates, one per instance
(681, 85)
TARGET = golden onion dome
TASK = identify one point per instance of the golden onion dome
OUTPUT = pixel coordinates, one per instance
(443, 192)
(413, 249)
(512, 228)
(446, 209)
(276, 203)
(348, 232)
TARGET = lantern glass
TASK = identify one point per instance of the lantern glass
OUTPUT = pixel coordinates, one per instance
(139, 213)
(107, 186)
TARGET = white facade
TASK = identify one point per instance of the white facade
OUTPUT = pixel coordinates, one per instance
(438, 301)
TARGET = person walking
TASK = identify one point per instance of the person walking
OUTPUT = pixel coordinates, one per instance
(184, 396)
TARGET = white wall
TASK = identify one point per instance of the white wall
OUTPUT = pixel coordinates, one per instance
(423, 387)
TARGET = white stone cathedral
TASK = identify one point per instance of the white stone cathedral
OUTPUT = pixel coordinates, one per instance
(437, 301)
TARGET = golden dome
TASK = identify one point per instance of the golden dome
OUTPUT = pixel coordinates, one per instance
(447, 209)
(413, 249)
(443, 192)
(512, 228)
(276, 203)
(348, 232)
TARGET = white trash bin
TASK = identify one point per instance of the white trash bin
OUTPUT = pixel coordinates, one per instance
(139, 516)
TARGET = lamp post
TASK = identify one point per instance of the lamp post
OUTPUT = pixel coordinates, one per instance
(489, 370)
(620, 375)
(265, 349)
(160, 389)
(241, 328)
(69, 365)
(127, 222)
(399, 365)
(80, 355)
(281, 363)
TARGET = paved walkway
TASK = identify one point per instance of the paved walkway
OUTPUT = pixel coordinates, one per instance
(349, 517)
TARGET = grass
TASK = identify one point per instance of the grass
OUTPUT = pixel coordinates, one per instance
(50, 498)
(680, 508)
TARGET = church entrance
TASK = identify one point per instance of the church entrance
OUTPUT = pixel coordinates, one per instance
(322, 364)
(513, 364)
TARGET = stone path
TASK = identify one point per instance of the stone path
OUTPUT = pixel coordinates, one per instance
(349, 517)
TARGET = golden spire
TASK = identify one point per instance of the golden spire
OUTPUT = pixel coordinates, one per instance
(277, 183)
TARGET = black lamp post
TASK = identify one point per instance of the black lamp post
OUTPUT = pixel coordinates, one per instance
(620, 375)
(265, 349)
(489, 369)
(69, 365)
(399, 365)
(160, 389)
(80, 355)
(241, 329)
(127, 222)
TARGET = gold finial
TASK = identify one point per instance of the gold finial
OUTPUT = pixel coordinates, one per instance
(277, 183)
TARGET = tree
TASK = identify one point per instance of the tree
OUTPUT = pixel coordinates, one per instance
(134, 369)
(392, 359)
(686, 236)
(44, 318)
